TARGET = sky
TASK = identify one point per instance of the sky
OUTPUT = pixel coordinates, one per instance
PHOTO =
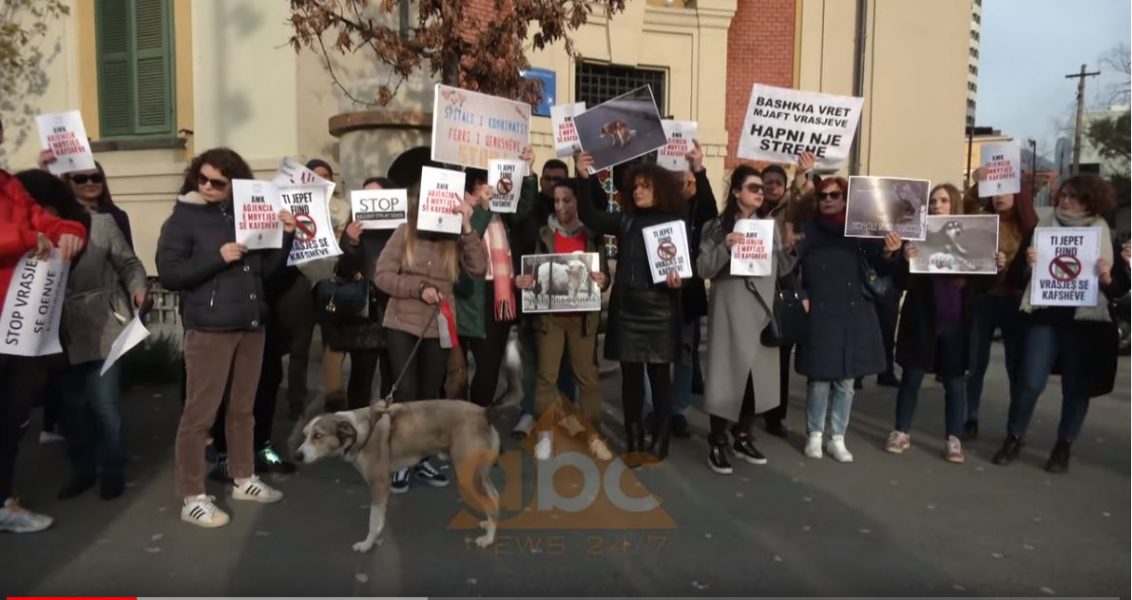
(1026, 49)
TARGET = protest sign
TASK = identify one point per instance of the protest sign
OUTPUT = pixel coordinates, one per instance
(754, 256)
(562, 283)
(505, 176)
(292, 173)
(678, 136)
(442, 192)
(667, 248)
(1066, 271)
(257, 206)
(314, 237)
(379, 209)
(621, 129)
(878, 205)
(782, 123)
(1000, 166)
(961, 244)
(63, 133)
(133, 334)
(470, 129)
(30, 322)
(565, 133)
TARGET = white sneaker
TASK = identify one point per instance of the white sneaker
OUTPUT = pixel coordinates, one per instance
(836, 448)
(524, 426)
(49, 437)
(600, 450)
(256, 491)
(813, 445)
(200, 511)
(545, 446)
(18, 519)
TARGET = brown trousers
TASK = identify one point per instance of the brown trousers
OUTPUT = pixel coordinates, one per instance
(210, 359)
(564, 334)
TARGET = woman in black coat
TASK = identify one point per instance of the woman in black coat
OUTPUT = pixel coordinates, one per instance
(643, 329)
(844, 340)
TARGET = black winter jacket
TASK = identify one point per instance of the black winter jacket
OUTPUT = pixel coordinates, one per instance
(701, 210)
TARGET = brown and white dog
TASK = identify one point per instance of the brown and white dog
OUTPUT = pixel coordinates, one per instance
(618, 132)
(383, 438)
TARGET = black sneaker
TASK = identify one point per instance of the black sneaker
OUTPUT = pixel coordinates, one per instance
(219, 471)
(1059, 459)
(76, 486)
(112, 487)
(1009, 451)
(680, 428)
(717, 459)
(270, 460)
(400, 482)
(888, 380)
(971, 431)
(745, 449)
(430, 474)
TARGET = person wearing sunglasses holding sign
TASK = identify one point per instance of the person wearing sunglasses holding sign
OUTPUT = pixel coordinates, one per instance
(92, 191)
(222, 291)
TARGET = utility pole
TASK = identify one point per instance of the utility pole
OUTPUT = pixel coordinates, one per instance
(1080, 77)
(1033, 168)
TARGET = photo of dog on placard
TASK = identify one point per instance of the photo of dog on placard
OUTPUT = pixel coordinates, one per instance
(878, 205)
(563, 283)
(621, 129)
(963, 244)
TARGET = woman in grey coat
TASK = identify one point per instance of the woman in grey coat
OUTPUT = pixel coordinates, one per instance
(106, 284)
(741, 376)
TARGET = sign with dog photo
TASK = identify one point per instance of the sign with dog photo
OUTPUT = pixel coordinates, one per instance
(667, 248)
(621, 129)
(563, 283)
(505, 176)
(878, 205)
(470, 129)
(958, 244)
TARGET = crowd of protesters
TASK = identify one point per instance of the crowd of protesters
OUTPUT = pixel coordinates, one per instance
(244, 310)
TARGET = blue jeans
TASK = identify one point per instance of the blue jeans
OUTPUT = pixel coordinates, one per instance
(684, 369)
(835, 397)
(955, 404)
(91, 419)
(1046, 345)
(528, 355)
(993, 312)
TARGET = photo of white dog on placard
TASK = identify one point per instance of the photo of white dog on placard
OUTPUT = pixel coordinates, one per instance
(963, 244)
(563, 283)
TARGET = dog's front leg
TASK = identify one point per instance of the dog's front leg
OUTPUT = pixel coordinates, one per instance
(376, 524)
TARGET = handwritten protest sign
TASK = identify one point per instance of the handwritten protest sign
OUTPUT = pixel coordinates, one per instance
(30, 322)
(1001, 169)
(679, 136)
(470, 129)
(754, 255)
(667, 248)
(314, 237)
(505, 176)
(960, 244)
(442, 192)
(562, 122)
(1066, 270)
(257, 206)
(63, 133)
(379, 209)
(782, 123)
(133, 334)
(878, 205)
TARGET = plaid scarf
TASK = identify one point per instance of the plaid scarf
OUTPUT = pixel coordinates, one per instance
(499, 253)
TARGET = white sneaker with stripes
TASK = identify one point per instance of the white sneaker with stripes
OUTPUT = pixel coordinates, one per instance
(256, 491)
(200, 511)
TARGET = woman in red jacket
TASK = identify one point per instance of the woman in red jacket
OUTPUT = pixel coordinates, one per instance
(24, 227)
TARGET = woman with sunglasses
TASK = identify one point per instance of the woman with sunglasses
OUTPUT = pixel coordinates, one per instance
(844, 338)
(93, 193)
(742, 376)
(222, 286)
(1080, 341)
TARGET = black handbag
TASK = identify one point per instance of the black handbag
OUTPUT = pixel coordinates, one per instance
(789, 324)
(874, 287)
(341, 299)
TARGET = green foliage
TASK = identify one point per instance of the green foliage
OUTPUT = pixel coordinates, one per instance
(1110, 136)
(24, 26)
(157, 361)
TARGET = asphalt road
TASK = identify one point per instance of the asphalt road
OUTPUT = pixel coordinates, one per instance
(884, 525)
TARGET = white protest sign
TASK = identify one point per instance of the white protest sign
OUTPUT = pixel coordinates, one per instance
(379, 209)
(30, 322)
(314, 237)
(782, 123)
(292, 173)
(505, 176)
(667, 248)
(132, 335)
(63, 133)
(679, 136)
(562, 122)
(257, 206)
(442, 192)
(1001, 169)
(753, 255)
(470, 129)
(1066, 271)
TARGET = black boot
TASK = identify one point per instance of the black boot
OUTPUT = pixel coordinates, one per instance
(1009, 451)
(1059, 459)
(634, 444)
(75, 486)
(680, 428)
(661, 436)
(112, 486)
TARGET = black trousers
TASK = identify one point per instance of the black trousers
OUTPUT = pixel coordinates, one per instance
(363, 365)
(488, 352)
(22, 381)
(424, 378)
(778, 413)
(740, 429)
(633, 391)
(888, 312)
